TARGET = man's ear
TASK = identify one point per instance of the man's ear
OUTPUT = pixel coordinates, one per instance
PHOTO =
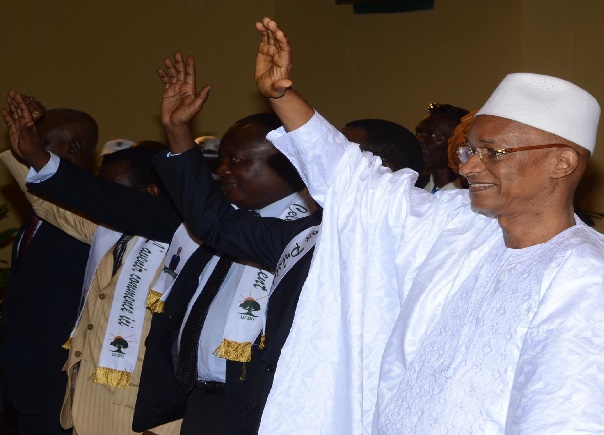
(567, 161)
(152, 189)
(75, 147)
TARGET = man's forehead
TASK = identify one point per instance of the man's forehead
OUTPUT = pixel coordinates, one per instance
(488, 128)
(247, 145)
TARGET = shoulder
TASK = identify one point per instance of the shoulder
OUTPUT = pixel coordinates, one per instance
(573, 286)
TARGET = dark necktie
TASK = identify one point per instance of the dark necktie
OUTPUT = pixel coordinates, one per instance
(28, 234)
(186, 369)
(119, 250)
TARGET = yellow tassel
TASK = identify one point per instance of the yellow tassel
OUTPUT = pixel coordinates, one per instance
(234, 351)
(243, 373)
(262, 342)
(153, 302)
(67, 344)
(112, 377)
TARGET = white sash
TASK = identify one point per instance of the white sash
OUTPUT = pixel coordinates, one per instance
(297, 248)
(124, 328)
(102, 240)
(246, 316)
(181, 248)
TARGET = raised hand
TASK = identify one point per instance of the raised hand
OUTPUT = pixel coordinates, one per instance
(23, 135)
(180, 102)
(274, 60)
(35, 107)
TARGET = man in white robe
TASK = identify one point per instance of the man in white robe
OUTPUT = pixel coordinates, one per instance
(477, 311)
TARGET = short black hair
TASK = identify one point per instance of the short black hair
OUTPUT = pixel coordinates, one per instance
(447, 109)
(139, 156)
(80, 124)
(270, 121)
(392, 142)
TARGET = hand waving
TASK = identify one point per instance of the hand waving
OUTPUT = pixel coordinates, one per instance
(180, 102)
(274, 60)
(23, 135)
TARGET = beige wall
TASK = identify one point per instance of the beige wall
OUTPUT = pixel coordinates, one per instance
(101, 58)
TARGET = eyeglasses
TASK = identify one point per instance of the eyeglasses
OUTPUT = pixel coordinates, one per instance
(493, 155)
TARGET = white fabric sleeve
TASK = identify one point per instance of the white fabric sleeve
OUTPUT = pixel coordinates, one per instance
(315, 149)
(46, 172)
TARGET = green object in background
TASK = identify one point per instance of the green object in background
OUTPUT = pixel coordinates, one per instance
(387, 6)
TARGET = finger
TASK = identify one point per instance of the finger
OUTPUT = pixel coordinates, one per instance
(190, 73)
(200, 99)
(12, 107)
(204, 93)
(23, 110)
(180, 66)
(7, 117)
(262, 29)
(282, 41)
(170, 69)
(270, 37)
(163, 77)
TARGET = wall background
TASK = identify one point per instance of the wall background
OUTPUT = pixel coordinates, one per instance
(101, 58)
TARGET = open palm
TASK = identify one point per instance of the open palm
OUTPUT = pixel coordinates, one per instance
(180, 102)
(273, 61)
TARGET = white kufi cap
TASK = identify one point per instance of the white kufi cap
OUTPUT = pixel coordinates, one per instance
(549, 104)
(116, 145)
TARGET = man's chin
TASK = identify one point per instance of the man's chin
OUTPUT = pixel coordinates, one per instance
(483, 211)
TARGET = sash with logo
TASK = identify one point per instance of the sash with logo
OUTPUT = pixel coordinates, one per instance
(102, 240)
(123, 335)
(246, 316)
(181, 248)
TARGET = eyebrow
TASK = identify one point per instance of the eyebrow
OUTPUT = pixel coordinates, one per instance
(486, 141)
(481, 141)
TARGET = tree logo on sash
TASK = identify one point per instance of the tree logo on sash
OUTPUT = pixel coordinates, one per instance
(250, 304)
(119, 343)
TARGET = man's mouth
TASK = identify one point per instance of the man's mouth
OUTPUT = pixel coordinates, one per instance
(228, 186)
(478, 187)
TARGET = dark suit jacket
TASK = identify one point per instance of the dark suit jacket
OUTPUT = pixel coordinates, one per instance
(122, 208)
(38, 315)
(240, 235)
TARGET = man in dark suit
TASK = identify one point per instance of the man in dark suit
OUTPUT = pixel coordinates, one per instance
(45, 288)
(285, 247)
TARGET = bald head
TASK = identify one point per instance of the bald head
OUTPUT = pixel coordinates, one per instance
(70, 134)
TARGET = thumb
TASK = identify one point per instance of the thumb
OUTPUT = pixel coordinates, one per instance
(280, 86)
(201, 97)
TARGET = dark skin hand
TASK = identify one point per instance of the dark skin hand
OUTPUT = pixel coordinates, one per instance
(180, 102)
(20, 117)
(273, 61)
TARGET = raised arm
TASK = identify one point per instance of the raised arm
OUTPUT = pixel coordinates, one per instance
(180, 102)
(20, 117)
(211, 218)
(273, 64)
(119, 207)
(76, 226)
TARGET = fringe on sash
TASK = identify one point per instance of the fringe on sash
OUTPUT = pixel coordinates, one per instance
(153, 302)
(112, 377)
(67, 344)
(234, 351)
